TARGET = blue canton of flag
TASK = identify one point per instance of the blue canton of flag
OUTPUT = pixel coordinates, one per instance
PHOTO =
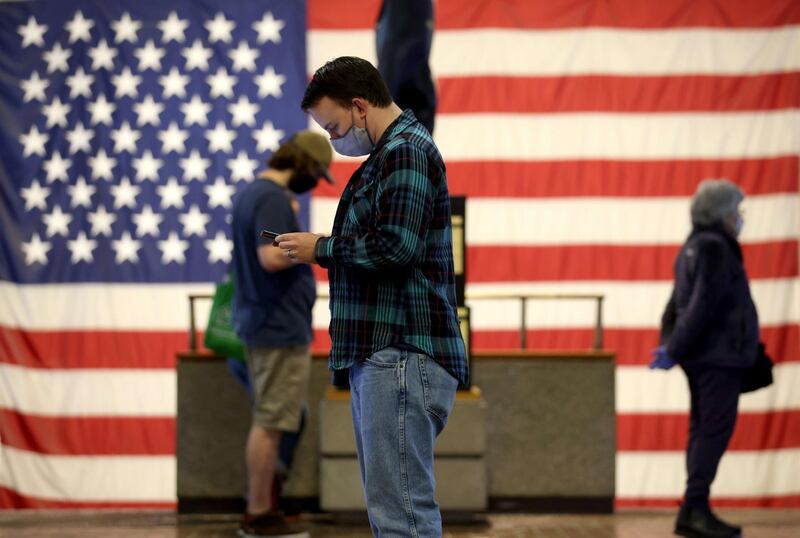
(128, 126)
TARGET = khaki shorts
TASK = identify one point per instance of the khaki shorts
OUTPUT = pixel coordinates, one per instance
(279, 376)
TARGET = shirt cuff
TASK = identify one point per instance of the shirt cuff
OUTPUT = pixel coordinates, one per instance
(323, 251)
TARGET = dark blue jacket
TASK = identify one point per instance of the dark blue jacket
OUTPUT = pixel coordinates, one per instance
(716, 322)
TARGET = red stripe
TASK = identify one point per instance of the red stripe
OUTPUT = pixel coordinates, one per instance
(90, 436)
(553, 14)
(617, 94)
(609, 262)
(775, 501)
(538, 179)
(12, 499)
(754, 431)
(91, 349)
(632, 346)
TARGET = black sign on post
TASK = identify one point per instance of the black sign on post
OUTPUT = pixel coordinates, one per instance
(458, 210)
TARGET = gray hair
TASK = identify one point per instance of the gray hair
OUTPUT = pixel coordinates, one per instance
(714, 200)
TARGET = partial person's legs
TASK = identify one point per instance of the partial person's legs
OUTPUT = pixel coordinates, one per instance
(401, 402)
(716, 397)
(261, 455)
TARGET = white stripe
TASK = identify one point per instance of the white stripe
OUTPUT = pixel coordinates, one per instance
(481, 137)
(626, 304)
(741, 474)
(602, 221)
(89, 478)
(602, 51)
(595, 135)
(161, 307)
(88, 392)
(641, 390)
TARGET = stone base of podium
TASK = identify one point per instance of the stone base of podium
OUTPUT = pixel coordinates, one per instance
(460, 456)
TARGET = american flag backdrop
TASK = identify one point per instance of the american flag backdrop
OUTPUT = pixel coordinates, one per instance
(578, 131)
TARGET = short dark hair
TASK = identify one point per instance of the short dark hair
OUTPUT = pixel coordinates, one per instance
(343, 79)
(290, 156)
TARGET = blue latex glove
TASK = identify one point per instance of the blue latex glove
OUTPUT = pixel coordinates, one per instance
(661, 360)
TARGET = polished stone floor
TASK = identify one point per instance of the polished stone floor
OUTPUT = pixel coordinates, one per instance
(625, 524)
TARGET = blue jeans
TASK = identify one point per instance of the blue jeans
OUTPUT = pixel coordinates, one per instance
(401, 401)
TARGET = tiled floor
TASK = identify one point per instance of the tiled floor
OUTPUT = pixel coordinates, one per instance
(628, 524)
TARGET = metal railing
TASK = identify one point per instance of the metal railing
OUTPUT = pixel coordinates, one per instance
(525, 297)
(522, 297)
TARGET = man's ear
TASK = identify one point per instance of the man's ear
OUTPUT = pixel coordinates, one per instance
(360, 105)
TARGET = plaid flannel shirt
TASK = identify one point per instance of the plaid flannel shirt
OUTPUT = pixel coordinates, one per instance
(390, 255)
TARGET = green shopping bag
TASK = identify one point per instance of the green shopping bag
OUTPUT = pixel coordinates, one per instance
(220, 336)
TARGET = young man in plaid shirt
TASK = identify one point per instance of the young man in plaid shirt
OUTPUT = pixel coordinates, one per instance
(393, 308)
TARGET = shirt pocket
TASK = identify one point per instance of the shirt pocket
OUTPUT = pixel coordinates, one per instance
(360, 214)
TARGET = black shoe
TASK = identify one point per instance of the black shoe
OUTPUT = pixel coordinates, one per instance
(272, 525)
(702, 523)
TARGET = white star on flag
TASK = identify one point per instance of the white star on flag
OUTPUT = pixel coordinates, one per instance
(219, 29)
(79, 28)
(79, 138)
(32, 33)
(56, 58)
(242, 167)
(243, 112)
(102, 165)
(102, 56)
(81, 194)
(172, 194)
(194, 166)
(125, 138)
(173, 139)
(219, 248)
(36, 250)
(126, 84)
(173, 249)
(35, 196)
(57, 222)
(101, 111)
(126, 248)
(149, 56)
(220, 194)
(148, 111)
(268, 138)
(269, 83)
(125, 194)
(269, 28)
(57, 168)
(220, 138)
(147, 167)
(81, 248)
(197, 56)
(195, 111)
(56, 113)
(80, 84)
(147, 222)
(101, 221)
(173, 28)
(125, 29)
(33, 142)
(194, 222)
(243, 57)
(33, 88)
(174, 83)
(221, 83)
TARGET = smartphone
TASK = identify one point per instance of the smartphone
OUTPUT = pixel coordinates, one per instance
(266, 234)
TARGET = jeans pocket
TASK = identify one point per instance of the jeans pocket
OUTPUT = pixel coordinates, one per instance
(387, 357)
(438, 388)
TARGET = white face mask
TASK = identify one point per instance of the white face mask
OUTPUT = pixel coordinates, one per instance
(355, 142)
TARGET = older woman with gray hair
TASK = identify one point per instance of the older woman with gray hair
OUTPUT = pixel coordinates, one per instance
(710, 328)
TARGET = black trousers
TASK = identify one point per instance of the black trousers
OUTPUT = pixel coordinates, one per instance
(715, 401)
